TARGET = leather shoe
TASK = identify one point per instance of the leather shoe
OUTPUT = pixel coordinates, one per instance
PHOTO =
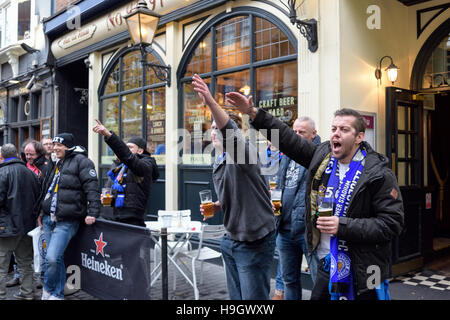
(13, 282)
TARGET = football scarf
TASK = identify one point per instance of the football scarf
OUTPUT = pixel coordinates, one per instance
(118, 175)
(341, 273)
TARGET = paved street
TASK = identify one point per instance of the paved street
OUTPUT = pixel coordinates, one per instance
(427, 284)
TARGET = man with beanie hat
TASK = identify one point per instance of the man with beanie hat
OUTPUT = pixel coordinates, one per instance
(131, 179)
(70, 193)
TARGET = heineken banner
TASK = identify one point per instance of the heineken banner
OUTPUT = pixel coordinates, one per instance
(112, 259)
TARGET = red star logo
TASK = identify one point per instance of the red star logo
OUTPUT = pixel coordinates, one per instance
(100, 245)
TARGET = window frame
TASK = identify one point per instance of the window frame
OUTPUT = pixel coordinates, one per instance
(142, 90)
(210, 27)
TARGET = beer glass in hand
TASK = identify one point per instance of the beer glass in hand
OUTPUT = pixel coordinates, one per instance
(206, 203)
(106, 197)
(275, 196)
(325, 204)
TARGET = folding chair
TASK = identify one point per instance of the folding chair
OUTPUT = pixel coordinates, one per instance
(203, 253)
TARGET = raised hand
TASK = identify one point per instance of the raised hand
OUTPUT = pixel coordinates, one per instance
(202, 89)
(241, 102)
(101, 129)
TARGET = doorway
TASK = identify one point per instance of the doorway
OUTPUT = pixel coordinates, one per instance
(439, 169)
(73, 82)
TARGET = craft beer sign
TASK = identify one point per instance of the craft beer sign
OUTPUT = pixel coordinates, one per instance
(107, 26)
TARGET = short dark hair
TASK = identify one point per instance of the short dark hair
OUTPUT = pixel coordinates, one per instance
(235, 117)
(9, 151)
(359, 124)
(38, 147)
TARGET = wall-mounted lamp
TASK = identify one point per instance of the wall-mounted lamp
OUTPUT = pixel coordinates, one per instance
(392, 70)
(142, 24)
(308, 28)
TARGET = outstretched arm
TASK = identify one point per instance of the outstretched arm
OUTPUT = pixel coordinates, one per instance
(242, 103)
(220, 116)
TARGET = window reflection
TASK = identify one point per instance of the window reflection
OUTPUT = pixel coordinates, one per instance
(129, 73)
(274, 85)
(276, 90)
(132, 115)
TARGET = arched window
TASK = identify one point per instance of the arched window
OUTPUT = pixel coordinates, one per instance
(244, 52)
(132, 102)
(437, 71)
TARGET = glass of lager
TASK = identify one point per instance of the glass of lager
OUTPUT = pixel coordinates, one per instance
(325, 204)
(275, 196)
(206, 203)
(106, 197)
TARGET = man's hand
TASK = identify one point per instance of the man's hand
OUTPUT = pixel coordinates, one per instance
(101, 129)
(242, 103)
(216, 206)
(89, 220)
(203, 91)
(328, 225)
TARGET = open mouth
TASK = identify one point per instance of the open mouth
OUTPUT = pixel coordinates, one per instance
(336, 145)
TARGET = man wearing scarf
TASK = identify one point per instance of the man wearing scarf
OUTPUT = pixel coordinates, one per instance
(131, 179)
(354, 244)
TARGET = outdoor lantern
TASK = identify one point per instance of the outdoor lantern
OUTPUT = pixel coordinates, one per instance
(392, 71)
(142, 24)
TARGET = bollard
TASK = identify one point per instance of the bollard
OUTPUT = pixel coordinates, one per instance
(165, 276)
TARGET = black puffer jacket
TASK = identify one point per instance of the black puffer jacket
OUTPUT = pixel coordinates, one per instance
(375, 213)
(45, 166)
(78, 192)
(142, 171)
(19, 192)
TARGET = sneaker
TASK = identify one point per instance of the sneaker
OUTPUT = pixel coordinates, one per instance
(13, 282)
(38, 283)
(278, 295)
(45, 294)
(52, 297)
(20, 296)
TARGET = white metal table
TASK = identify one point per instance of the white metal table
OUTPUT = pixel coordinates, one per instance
(184, 235)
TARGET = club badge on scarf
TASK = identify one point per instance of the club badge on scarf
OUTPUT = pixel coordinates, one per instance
(118, 184)
(341, 273)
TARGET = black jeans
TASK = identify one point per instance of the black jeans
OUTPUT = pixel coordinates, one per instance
(320, 289)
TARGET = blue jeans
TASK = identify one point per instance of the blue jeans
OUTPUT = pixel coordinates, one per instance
(57, 241)
(248, 266)
(279, 284)
(291, 255)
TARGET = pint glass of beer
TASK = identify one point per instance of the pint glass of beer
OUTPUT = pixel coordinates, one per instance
(107, 197)
(206, 203)
(325, 203)
(275, 196)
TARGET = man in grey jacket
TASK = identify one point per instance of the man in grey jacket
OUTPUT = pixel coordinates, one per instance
(249, 245)
(19, 193)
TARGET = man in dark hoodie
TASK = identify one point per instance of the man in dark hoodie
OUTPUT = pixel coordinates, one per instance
(71, 192)
(131, 179)
(19, 192)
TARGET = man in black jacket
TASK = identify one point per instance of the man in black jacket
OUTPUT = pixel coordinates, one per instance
(71, 193)
(19, 192)
(355, 242)
(132, 178)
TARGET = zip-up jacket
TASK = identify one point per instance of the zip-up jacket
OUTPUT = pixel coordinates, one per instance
(78, 192)
(19, 192)
(375, 214)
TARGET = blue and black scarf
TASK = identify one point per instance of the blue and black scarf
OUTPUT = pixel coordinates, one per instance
(340, 265)
(117, 175)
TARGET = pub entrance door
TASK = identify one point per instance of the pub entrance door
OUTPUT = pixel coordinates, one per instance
(404, 143)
